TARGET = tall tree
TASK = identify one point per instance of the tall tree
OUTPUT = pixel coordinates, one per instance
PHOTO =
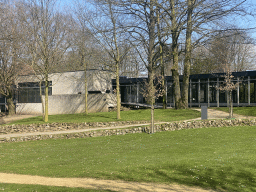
(188, 49)
(161, 57)
(82, 45)
(108, 30)
(174, 17)
(198, 18)
(47, 39)
(234, 48)
(144, 34)
(11, 37)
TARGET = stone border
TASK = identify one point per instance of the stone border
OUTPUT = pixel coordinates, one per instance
(172, 126)
(49, 127)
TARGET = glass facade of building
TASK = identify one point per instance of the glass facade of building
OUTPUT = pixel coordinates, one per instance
(203, 89)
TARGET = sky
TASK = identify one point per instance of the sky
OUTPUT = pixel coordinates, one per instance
(68, 4)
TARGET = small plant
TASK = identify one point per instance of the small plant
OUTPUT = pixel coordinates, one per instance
(229, 86)
(152, 91)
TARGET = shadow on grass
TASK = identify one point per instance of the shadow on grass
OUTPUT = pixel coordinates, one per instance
(219, 178)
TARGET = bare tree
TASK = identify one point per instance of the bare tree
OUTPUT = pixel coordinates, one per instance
(154, 92)
(80, 42)
(229, 86)
(145, 31)
(161, 57)
(107, 28)
(234, 47)
(48, 39)
(195, 18)
(10, 45)
(188, 49)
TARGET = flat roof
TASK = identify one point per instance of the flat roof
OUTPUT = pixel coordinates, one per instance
(125, 80)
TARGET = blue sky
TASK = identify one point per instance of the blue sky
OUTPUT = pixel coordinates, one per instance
(67, 4)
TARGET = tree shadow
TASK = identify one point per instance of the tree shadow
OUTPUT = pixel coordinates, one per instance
(219, 178)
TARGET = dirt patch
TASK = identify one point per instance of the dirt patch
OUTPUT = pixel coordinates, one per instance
(4, 119)
(90, 183)
(217, 114)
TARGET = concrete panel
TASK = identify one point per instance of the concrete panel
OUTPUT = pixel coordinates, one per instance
(73, 82)
(70, 104)
(29, 108)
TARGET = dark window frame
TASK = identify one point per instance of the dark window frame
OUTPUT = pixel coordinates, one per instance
(29, 92)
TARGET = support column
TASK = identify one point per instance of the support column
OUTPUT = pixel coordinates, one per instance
(130, 98)
(254, 93)
(208, 91)
(199, 94)
(238, 91)
(218, 92)
(249, 91)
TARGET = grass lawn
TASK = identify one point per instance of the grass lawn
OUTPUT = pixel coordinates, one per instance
(215, 158)
(247, 111)
(132, 115)
(17, 187)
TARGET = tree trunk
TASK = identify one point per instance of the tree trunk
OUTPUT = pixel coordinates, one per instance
(118, 100)
(85, 88)
(164, 91)
(161, 60)
(151, 63)
(230, 104)
(152, 118)
(175, 55)
(151, 94)
(117, 61)
(187, 63)
(176, 78)
(46, 101)
(10, 104)
(41, 96)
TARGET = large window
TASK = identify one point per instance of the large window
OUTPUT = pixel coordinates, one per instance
(29, 92)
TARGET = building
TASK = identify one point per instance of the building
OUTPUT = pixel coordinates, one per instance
(66, 92)
(202, 90)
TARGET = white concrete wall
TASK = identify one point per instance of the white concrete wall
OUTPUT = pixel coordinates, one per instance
(29, 108)
(73, 82)
(68, 93)
(69, 104)
(75, 103)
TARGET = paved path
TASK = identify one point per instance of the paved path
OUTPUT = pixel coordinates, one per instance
(90, 183)
(216, 114)
(7, 119)
(71, 131)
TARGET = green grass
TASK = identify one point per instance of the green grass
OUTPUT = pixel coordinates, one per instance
(34, 188)
(215, 158)
(246, 111)
(132, 115)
